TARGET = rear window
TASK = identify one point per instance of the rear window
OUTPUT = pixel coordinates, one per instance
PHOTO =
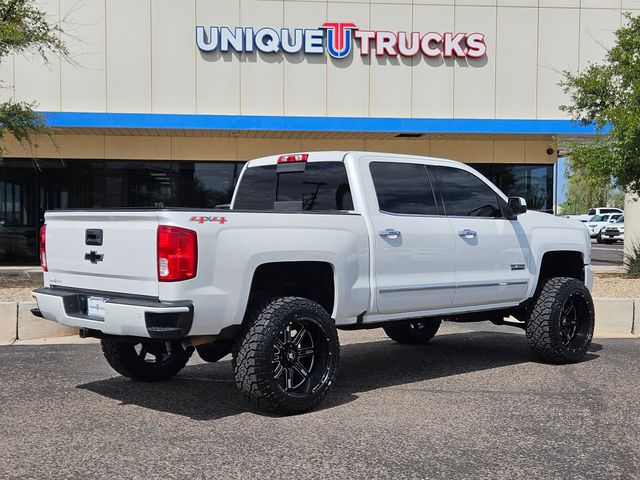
(321, 186)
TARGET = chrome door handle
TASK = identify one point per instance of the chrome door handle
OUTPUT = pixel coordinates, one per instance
(389, 233)
(466, 233)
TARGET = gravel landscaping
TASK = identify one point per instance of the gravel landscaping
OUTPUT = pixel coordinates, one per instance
(607, 285)
(616, 285)
(17, 288)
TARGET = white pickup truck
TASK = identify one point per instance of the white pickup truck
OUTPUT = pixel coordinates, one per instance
(313, 243)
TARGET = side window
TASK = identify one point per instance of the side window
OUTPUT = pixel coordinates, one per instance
(465, 195)
(403, 188)
(592, 211)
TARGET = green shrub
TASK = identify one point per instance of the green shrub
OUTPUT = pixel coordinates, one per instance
(632, 260)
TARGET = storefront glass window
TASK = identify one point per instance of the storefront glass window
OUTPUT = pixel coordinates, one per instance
(532, 182)
(28, 188)
(18, 225)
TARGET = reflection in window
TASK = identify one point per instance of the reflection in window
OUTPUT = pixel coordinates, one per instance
(532, 182)
(403, 188)
(322, 186)
(466, 195)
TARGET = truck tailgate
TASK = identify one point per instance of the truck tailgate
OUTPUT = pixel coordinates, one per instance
(123, 260)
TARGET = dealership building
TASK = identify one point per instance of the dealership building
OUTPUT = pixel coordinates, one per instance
(161, 101)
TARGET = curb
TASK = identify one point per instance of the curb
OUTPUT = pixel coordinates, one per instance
(615, 318)
(17, 323)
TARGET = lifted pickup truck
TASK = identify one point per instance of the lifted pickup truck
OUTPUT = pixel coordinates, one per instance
(313, 243)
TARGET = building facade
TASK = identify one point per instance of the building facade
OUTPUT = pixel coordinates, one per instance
(161, 101)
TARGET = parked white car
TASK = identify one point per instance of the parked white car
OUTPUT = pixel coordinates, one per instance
(598, 222)
(603, 210)
(614, 231)
(312, 243)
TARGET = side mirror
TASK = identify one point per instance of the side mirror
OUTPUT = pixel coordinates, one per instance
(516, 206)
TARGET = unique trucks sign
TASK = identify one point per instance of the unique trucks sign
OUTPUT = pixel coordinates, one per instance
(338, 39)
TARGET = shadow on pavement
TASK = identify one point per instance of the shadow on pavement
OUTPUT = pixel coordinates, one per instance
(208, 392)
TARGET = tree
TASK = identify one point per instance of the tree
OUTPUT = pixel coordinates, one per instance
(607, 94)
(24, 29)
(583, 190)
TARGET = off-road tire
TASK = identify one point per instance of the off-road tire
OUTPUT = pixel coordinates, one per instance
(257, 345)
(544, 327)
(415, 332)
(124, 359)
(599, 238)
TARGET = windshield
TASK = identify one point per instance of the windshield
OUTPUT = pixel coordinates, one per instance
(620, 220)
(598, 218)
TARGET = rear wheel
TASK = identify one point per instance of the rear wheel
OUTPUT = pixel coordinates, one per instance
(560, 326)
(287, 356)
(145, 361)
(414, 332)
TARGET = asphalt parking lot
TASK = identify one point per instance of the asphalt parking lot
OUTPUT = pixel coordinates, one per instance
(603, 254)
(471, 404)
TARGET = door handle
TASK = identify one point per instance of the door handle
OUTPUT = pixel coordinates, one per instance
(390, 233)
(466, 233)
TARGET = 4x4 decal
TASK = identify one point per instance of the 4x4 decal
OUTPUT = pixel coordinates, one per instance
(203, 219)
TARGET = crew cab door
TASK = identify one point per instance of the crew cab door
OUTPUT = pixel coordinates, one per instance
(491, 252)
(412, 247)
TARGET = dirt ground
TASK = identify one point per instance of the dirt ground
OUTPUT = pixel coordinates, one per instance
(607, 285)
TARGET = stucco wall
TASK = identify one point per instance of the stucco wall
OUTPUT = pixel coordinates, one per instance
(483, 150)
(140, 56)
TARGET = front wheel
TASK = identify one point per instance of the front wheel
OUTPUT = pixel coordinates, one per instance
(560, 326)
(287, 356)
(146, 361)
(599, 238)
(414, 332)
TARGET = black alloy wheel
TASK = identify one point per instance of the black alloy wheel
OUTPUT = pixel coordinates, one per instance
(573, 320)
(300, 363)
(146, 361)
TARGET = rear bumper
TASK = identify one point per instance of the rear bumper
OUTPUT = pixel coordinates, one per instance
(123, 315)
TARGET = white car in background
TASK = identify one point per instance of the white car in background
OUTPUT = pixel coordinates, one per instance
(603, 210)
(598, 222)
(613, 232)
(584, 218)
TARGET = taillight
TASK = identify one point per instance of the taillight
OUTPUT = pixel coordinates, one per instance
(43, 247)
(177, 253)
(295, 157)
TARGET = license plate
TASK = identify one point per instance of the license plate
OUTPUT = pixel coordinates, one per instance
(95, 306)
